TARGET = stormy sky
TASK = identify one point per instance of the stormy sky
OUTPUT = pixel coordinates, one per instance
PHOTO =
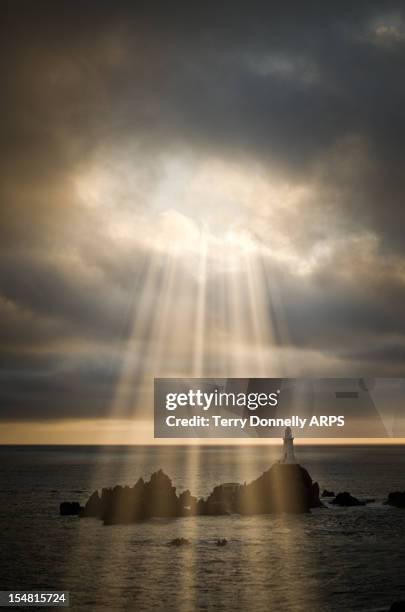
(148, 149)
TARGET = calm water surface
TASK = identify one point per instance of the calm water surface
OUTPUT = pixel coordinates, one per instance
(332, 559)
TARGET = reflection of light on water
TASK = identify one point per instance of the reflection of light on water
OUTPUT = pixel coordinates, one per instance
(117, 567)
(203, 305)
(179, 337)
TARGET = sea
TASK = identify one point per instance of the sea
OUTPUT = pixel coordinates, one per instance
(332, 559)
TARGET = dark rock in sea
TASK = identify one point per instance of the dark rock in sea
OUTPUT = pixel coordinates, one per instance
(156, 498)
(397, 499)
(93, 506)
(327, 493)
(345, 499)
(187, 504)
(180, 542)
(221, 501)
(282, 488)
(69, 509)
(222, 542)
(397, 606)
(213, 505)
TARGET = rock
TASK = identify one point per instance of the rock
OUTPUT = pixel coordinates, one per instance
(282, 488)
(187, 504)
(93, 506)
(156, 498)
(69, 509)
(327, 493)
(345, 499)
(180, 542)
(212, 507)
(397, 499)
(222, 542)
(221, 501)
(315, 501)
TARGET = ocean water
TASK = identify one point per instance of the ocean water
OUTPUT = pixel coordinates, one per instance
(331, 559)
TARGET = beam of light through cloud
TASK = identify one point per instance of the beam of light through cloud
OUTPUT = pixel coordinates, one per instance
(151, 129)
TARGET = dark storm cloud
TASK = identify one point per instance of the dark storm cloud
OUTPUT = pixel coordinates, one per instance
(64, 294)
(358, 319)
(53, 386)
(280, 83)
(314, 90)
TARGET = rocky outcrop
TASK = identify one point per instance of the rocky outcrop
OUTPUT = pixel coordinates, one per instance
(93, 506)
(282, 488)
(327, 493)
(69, 508)
(180, 542)
(156, 498)
(221, 501)
(345, 499)
(397, 499)
(222, 542)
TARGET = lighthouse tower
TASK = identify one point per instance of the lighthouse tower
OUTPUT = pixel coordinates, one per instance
(288, 447)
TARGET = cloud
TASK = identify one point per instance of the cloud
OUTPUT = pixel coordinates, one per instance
(132, 131)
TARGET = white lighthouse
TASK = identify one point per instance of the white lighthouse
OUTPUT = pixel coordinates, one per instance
(288, 447)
